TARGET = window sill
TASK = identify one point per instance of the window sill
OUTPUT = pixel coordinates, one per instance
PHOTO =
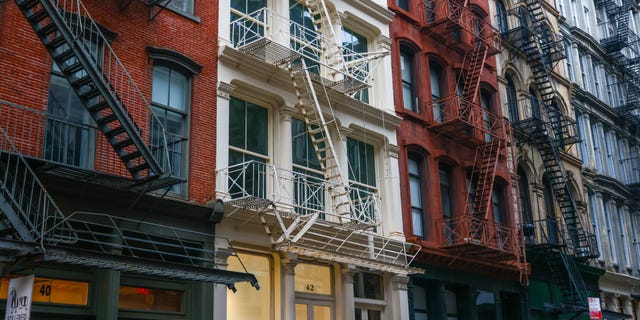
(408, 114)
(189, 16)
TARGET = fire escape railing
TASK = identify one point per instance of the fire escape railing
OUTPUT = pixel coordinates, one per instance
(466, 229)
(120, 111)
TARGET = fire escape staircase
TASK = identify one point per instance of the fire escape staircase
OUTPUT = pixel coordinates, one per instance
(34, 229)
(105, 88)
(550, 135)
(620, 17)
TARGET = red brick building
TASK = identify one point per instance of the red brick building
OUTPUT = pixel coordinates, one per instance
(456, 170)
(107, 111)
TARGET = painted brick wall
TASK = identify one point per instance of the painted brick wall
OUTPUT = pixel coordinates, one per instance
(25, 67)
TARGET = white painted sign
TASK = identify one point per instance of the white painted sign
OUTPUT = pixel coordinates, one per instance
(595, 312)
(19, 298)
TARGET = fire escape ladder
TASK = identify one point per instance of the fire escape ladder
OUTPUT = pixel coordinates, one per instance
(323, 24)
(485, 170)
(27, 210)
(473, 65)
(620, 18)
(515, 198)
(104, 86)
(565, 272)
(318, 129)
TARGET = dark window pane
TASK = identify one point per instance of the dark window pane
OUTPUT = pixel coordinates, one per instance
(237, 118)
(257, 128)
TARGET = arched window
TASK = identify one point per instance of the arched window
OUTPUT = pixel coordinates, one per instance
(485, 101)
(525, 200)
(435, 82)
(408, 79)
(415, 168)
(501, 12)
(551, 224)
(535, 104)
(497, 202)
(446, 199)
(512, 100)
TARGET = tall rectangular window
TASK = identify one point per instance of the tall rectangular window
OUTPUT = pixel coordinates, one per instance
(170, 96)
(354, 43)
(595, 224)
(248, 148)
(362, 177)
(406, 71)
(415, 190)
(446, 200)
(247, 21)
(610, 232)
(435, 81)
(568, 52)
(597, 148)
(308, 181)
(622, 223)
(303, 33)
(70, 131)
(247, 302)
(609, 140)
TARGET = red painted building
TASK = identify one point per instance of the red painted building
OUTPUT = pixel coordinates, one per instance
(459, 192)
(107, 118)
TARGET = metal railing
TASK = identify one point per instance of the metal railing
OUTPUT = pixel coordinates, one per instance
(36, 134)
(435, 12)
(118, 80)
(303, 192)
(467, 229)
(575, 241)
(265, 25)
(455, 107)
(29, 210)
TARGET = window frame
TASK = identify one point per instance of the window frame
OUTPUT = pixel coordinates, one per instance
(421, 176)
(408, 55)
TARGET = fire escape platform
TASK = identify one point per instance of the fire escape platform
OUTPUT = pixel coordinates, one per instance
(480, 238)
(348, 242)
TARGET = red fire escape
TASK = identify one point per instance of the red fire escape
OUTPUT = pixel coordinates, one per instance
(475, 231)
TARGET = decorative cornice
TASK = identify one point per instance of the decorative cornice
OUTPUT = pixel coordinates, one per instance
(225, 90)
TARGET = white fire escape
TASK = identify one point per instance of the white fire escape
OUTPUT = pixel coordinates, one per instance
(335, 221)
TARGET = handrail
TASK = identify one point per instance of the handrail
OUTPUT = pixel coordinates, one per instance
(479, 231)
(120, 82)
(455, 107)
(303, 192)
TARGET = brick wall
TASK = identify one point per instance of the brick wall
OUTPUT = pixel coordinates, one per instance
(25, 67)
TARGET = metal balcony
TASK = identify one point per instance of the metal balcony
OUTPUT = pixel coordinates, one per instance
(545, 234)
(464, 121)
(277, 40)
(480, 238)
(457, 26)
(294, 208)
(530, 119)
(75, 149)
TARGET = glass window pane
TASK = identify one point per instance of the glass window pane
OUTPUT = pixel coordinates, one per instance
(313, 278)
(368, 285)
(486, 304)
(302, 312)
(321, 313)
(247, 302)
(178, 91)
(256, 128)
(160, 86)
(416, 194)
(149, 299)
(237, 119)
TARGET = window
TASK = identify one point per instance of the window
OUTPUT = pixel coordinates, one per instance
(596, 146)
(419, 296)
(595, 223)
(244, 29)
(150, 299)
(446, 200)
(404, 4)
(369, 296)
(308, 180)
(567, 48)
(414, 165)
(485, 103)
(248, 134)
(170, 101)
(512, 100)
(501, 12)
(551, 225)
(610, 232)
(304, 34)
(435, 81)
(583, 70)
(70, 130)
(451, 304)
(353, 42)
(525, 200)
(596, 78)
(635, 229)
(485, 304)
(535, 104)
(362, 178)
(623, 237)
(185, 6)
(583, 142)
(610, 150)
(409, 98)
(247, 302)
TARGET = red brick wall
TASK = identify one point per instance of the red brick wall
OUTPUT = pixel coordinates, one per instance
(414, 134)
(25, 67)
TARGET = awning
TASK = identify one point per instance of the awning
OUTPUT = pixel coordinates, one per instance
(610, 315)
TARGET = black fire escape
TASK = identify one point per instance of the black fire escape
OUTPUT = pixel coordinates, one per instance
(33, 226)
(560, 242)
(622, 48)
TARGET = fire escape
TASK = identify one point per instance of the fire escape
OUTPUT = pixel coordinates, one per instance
(622, 47)
(459, 117)
(34, 226)
(334, 220)
(561, 243)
